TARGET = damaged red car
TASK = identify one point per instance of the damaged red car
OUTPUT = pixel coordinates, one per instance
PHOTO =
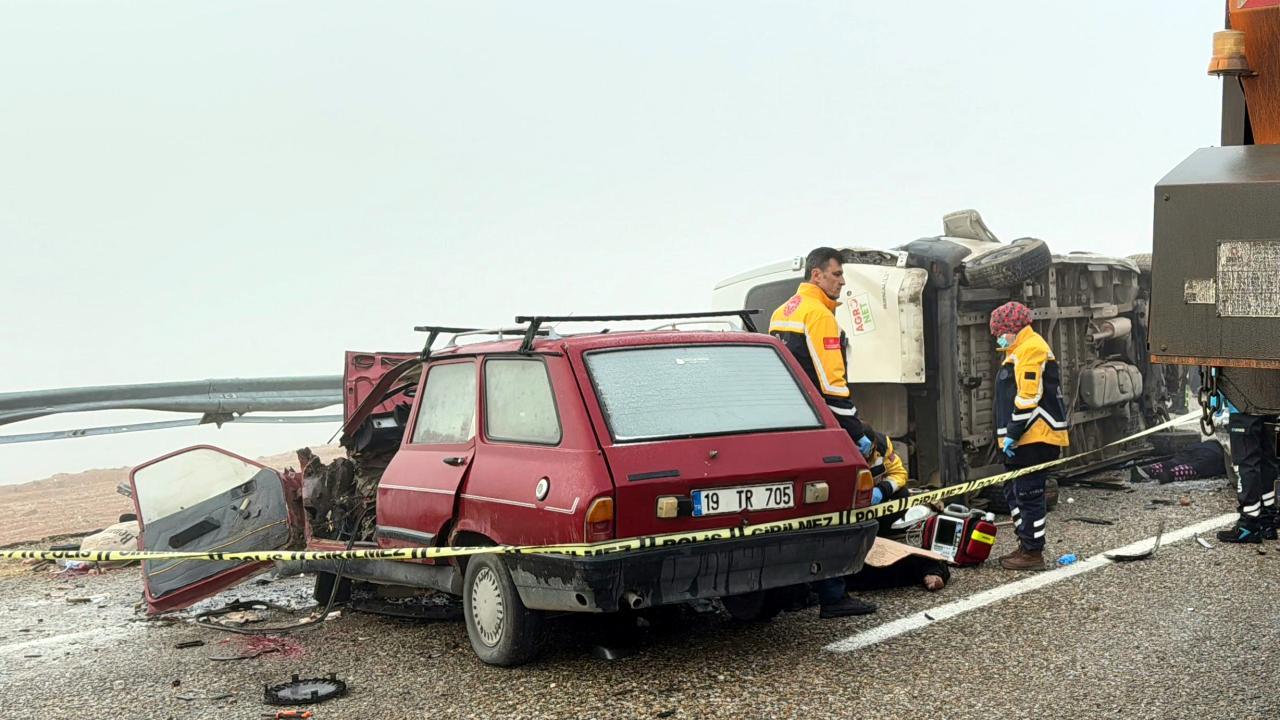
(526, 437)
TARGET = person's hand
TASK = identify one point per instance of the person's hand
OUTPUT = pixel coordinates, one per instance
(933, 583)
(865, 445)
(877, 496)
(1007, 446)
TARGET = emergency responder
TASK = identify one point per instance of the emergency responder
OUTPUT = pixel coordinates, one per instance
(1253, 451)
(806, 324)
(891, 478)
(1031, 426)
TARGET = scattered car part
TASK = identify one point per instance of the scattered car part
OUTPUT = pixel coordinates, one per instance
(303, 691)
(188, 644)
(1123, 557)
(246, 656)
(1204, 543)
(1091, 520)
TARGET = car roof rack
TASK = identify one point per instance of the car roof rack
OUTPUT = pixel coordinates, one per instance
(534, 322)
(435, 331)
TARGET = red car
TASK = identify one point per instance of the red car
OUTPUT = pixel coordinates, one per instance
(539, 439)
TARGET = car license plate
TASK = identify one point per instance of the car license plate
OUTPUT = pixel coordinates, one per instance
(737, 499)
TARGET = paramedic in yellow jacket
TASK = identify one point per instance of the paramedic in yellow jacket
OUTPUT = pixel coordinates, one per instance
(890, 474)
(1031, 425)
(806, 324)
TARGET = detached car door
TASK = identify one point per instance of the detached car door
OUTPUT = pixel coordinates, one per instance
(206, 499)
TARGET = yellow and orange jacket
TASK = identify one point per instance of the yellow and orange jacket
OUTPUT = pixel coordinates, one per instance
(888, 470)
(1028, 404)
(806, 324)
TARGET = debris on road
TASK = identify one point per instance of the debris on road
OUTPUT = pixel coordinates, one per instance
(1090, 520)
(1204, 543)
(302, 691)
(188, 644)
(1117, 557)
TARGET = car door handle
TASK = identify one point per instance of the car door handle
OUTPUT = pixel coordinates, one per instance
(455, 461)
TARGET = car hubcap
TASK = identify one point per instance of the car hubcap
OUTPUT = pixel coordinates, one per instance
(487, 611)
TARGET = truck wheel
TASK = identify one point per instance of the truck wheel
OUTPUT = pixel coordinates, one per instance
(1010, 265)
(324, 588)
(502, 630)
(1171, 442)
(1143, 261)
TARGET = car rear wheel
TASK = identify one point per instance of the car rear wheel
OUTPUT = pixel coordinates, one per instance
(1010, 265)
(502, 630)
(758, 606)
(324, 588)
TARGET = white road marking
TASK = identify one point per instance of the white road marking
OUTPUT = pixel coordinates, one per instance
(996, 594)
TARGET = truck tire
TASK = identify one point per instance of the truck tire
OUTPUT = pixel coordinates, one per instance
(758, 606)
(1010, 265)
(502, 630)
(1143, 261)
(1170, 442)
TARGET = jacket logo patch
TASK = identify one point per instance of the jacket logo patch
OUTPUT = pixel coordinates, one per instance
(1029, 375)
(831, 343)
(791, 306)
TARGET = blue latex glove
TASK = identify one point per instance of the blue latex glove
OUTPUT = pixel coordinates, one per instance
(1007, 446)
(864, 444)
(877, 496)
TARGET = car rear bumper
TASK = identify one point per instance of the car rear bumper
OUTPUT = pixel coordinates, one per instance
(665, 575)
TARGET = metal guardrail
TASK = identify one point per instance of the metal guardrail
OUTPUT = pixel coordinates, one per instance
(220, 397)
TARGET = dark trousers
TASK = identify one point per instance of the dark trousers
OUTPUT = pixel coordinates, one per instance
(1025, 495)
(1253, 450)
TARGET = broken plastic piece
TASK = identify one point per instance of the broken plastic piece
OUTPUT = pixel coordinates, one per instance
(301, 691)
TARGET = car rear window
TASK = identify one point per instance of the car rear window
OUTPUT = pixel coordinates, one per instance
(688, 391)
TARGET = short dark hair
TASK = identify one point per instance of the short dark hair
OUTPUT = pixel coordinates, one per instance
(818, 258)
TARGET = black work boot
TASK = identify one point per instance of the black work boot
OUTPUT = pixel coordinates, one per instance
(1268, 526)
(846, 607)
(1246, 531)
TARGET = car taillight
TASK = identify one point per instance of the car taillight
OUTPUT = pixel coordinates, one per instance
(862, 489)
(599, 523)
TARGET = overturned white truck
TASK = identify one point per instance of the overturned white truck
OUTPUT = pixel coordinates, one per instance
(922, 362)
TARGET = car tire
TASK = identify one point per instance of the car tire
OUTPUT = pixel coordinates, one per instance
(758, 606)
(502, 630)
(1143, 261)
(1010, 265)
(324, 588)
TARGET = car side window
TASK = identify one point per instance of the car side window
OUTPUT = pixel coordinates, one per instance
(519, 404)
(447, 411)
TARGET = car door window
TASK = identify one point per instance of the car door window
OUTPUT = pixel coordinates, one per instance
(447, 412)
(519, 404)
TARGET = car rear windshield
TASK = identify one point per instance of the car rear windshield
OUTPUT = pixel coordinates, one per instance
(688, 391)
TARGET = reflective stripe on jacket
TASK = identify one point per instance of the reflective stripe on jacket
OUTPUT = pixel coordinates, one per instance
(806, 324)
(1028, 405)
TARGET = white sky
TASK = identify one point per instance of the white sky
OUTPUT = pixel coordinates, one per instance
(193, 190)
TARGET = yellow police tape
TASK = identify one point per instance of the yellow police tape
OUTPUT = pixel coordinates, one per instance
(844, 517)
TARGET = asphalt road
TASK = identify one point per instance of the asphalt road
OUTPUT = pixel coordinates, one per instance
(1190, 633)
